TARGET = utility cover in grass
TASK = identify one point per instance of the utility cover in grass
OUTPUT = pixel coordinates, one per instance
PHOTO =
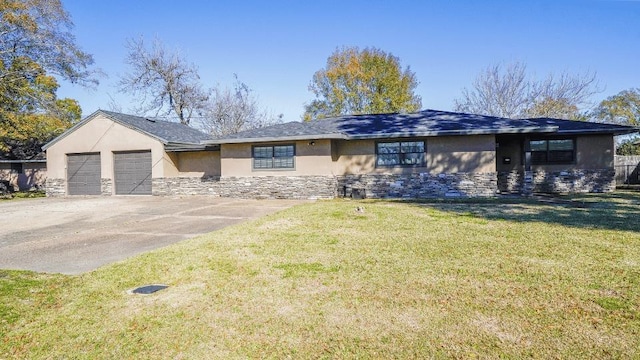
(148, 289)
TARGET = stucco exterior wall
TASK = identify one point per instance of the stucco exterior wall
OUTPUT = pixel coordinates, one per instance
(310, 159)
(461, 154)
(355, 157)
(34, 175)
(193, 164)
(447, 154)
(592, 152)
(592, 170)
(104, 136)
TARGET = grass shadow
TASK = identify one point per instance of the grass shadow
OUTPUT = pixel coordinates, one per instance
(613, 211)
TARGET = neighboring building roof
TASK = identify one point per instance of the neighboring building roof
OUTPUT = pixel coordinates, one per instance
(30, 161)
(423, 123)
(39, 157)
(173, 135)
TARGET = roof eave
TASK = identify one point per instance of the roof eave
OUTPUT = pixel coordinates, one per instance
(614, 131)
(276, 138)
(525, 130)
(183, 147)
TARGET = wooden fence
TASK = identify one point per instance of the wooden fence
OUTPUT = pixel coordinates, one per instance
(627, 170)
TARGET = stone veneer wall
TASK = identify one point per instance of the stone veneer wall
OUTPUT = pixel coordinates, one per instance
(279, 187)
(257, 187)
(573, 181)
(510, 181)
(209, 185)
(106, 187)
(569, 181)
(55, 187)
(421, 185)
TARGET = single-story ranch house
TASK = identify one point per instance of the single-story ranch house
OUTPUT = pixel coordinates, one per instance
(424, 154)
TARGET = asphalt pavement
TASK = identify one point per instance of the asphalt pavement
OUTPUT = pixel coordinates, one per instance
(72, 235)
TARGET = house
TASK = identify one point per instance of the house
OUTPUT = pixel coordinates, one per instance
(425, 154)
(22, 175)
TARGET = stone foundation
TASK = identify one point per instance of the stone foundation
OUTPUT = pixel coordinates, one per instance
(55, 187)
(574, 181)
(257, 187)
(421, 185)
(510, 181)
(570, 181)
(106, 187)
(279, 187)
(209, 185)
(418, 185)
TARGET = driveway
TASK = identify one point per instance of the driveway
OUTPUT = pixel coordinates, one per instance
(73, 235)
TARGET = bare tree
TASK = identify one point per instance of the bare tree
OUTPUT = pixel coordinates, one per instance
(163, 82)
(507, 91)
(233, 110)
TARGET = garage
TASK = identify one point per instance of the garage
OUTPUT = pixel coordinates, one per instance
(132, 172)
(134, 152)
(83, 174)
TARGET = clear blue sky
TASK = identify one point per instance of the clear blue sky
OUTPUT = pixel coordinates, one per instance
(276, 46)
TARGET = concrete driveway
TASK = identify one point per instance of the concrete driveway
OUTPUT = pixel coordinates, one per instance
(77, 234)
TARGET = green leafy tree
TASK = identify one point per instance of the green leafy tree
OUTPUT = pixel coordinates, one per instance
(622, 108)
(362, 82)
(30, 113)
(628, 147)
(35, 39)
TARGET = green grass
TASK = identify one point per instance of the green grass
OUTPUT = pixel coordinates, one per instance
(463, 279)
(23, 195)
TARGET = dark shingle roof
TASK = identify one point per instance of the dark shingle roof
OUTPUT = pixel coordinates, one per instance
(583, 127)
(173, 135)
(423, 123)
(291, 131)
(431, 123)
(165, 131)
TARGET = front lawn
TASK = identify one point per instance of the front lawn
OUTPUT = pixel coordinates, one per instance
(400, 279)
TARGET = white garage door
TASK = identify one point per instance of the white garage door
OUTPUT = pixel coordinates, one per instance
(132, 171)
(83, 174)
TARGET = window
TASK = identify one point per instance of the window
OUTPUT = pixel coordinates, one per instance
(552, 151)
(16, 168)
(273, 157)
(400, 153)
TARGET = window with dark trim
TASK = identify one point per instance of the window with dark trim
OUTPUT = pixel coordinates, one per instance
(273, 157)
(16, 168)
(552, 151)
(400, 153)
